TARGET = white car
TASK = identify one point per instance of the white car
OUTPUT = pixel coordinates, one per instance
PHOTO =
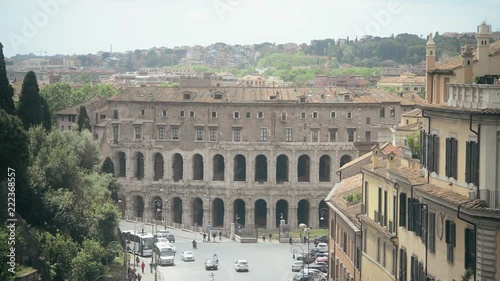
(322, 247)
(316, 274)
(187, 256)
(161, 240)
(241, 265)
(297, 265)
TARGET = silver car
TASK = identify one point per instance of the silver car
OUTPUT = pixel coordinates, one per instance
(187, 256)
(297, 265)
(241, 265)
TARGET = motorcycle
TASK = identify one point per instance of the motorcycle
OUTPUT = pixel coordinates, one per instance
(195, 245)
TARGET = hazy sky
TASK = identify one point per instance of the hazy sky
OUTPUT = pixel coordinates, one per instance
(89, 26)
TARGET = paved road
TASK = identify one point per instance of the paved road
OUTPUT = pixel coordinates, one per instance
(267, 261)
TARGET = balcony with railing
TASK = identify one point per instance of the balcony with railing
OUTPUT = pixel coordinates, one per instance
(474, 96)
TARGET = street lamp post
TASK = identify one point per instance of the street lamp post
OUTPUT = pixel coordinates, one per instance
(322, 213)
(295, 250)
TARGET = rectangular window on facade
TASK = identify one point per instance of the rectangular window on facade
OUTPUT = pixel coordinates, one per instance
(103, 116)
(368, 121)
(368, 136)
(72, 118)
(283, 116)
(451, 158)
(348, 115)
(191, 114)
(417, 217)
(433, 153)
(382, 112)
(333, 115)
(263, 135)
(288, 134)
(351, 135)
(302, 115)
(247, 115)
(332, 135)
(392, 111)
(470, 249)
(236, 115)
(164, 113)
(115, 114)
(260, 115)
(138, 133)
(237, 135)
(143, 112)
(314, 136)
(115, 133)
(378, 249)
(432, 232)
(213, 114)
(161, 133)
(450, 230)
(384, 218)
(472, 162)
(213, 134)
(175, 133)
(402, 264)
(402, 209)
(200, 134)
(315, 115)
(182, 114)
(383, 254)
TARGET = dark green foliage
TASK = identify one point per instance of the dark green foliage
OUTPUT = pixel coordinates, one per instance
(6, 90)
(83, 120)
(4, 251)
(47, 120)
(30, 105)
(413, 142)
(108, 166)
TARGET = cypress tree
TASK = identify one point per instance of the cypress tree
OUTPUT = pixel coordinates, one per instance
(47, 120)
(30, 105)
(6, 90)
(83, 120)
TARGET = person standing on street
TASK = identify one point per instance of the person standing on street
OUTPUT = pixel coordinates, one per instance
(291, 240)
(137, 261)
(151, 265)
(204, 237)
(263, 237)
(270, 236)
(143, 265)
(220, 235)
(214, 234)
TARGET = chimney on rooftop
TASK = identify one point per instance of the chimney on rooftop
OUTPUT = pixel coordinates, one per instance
(375, 156)
(391, 160)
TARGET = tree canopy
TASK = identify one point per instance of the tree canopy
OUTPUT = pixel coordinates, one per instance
(30, 105)
(6, 90)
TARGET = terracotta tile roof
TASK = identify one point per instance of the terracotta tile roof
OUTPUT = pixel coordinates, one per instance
(386, 148)
(410, 127)
(403, 79)
(348, 186)
(262, 94)
(447, 195)
(445, 107)
(417, 112)
(412, 175)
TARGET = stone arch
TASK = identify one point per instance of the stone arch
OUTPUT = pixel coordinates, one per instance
(219, 169)
(158, 166)
(240, 168)
(303, 168)
(239, 212)
(138, 206)
(197, 211)
(323, 214)
(139, 165)
(324, 168)
(260, 213)
(197, 167)
(261, 168)
(177, 167)
(282, 168)
(345, 159)
(122, 164)
(281, 211)
(177, 210)
(218, 213)
(303, 212)
(156, 208)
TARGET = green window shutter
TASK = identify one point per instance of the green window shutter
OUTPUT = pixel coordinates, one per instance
(402, 209)
(448, 158)
(467, 162)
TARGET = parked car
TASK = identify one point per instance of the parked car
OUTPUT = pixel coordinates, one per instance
(314, 251)
(321, 255)
(321, 259)
(162, 233)
(211, 264)
(321, 239)
(161, 240)
(297, 265)
(323, 247)
(321, 267)
(241, 265)
(187, 256)
(316, 274)
(302, 277)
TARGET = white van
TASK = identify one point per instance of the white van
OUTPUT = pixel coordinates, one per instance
(162, 233)
(164, 254)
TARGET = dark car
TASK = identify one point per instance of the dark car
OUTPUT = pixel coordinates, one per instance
(322, 268)
(170, 237)
(211, 264)
(321, 239)
(314, 251)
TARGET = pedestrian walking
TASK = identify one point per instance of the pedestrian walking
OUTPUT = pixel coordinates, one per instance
(214, 234)
(137, 261)
(304, 240)
(291, 240)
(264, 238)
(139, 277)
(204, 237)
(270, 236)
(143, 265)
(151, 266)
(220, 235)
